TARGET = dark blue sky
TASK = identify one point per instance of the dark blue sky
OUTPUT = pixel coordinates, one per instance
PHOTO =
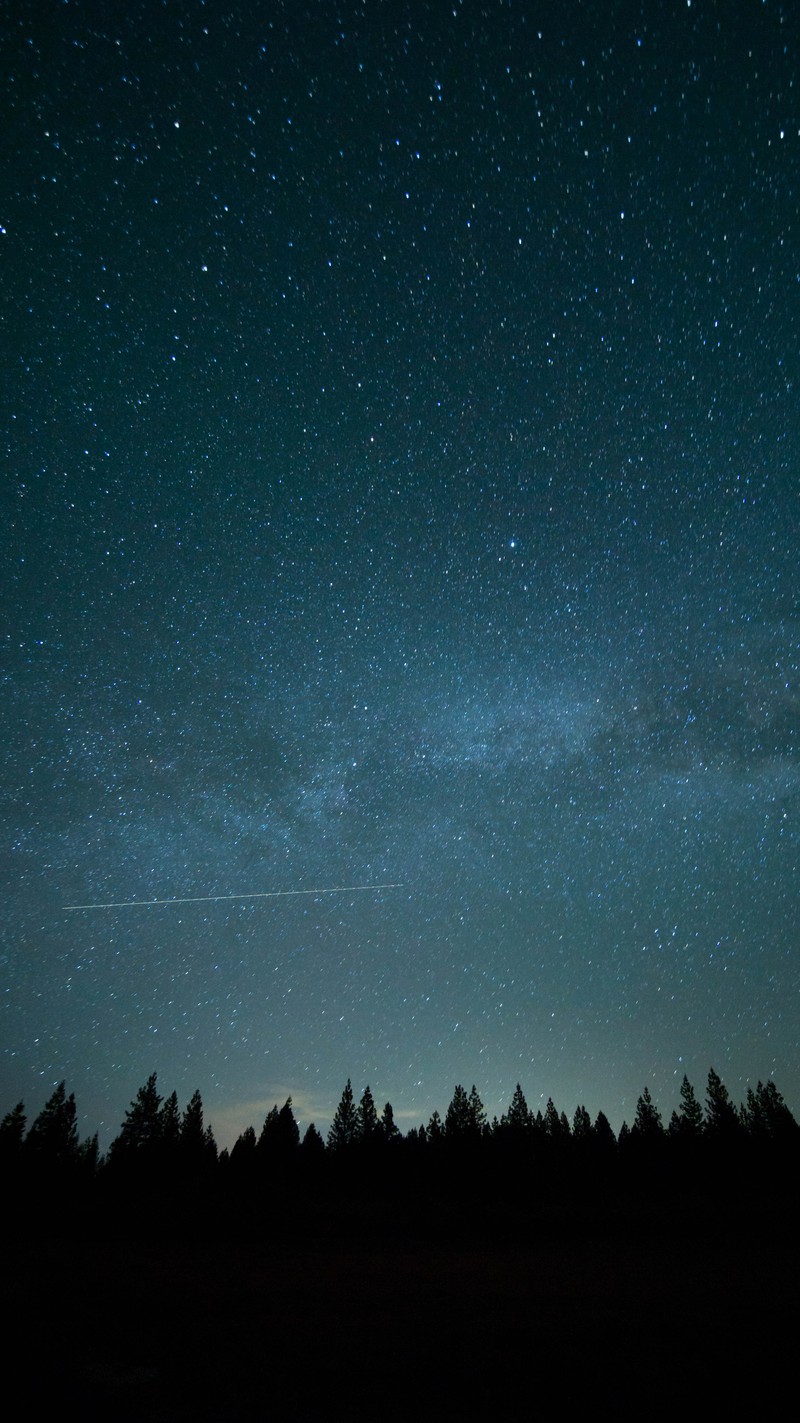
(403, 487)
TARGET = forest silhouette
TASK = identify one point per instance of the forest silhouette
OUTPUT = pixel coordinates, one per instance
(465, 1268)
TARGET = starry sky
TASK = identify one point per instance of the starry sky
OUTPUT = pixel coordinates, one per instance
(403, 442)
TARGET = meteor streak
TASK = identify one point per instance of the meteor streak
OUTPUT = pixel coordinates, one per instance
(212, 898)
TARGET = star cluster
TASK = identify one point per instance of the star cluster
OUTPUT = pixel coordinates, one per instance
(403, 445)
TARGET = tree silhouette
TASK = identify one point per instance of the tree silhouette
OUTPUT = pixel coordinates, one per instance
(647, 1122)
(581, 1125)
(766, 1115)
(196, 1148)
(344, 1129)
(723, 1121)
(280, 1134)
(389, 1129)
(556, 1125)
(53, 1137)
(518, 1118)
(603, 1133)
(140, 1132)
(367, 1124)
(170, 1122)
(243, 1152)
(458, 1118)
(312, 1146)
(687, 1123)
(12, 1134)
(434, 1133)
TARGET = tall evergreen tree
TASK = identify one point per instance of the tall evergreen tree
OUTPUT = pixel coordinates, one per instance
(280, 1134)
(193, 1144)
(243, 1153)
(647, 1124)
(689, 1120)
(389, 1129)
(518, 1117)
(723, 1121)
(368, 1127)
(169, 1129)
(581, 1125)
(554, 1122)
(312, 1145)
(458, 1117)
(12, 1134)
(140, 1132)
(477, 1114)
(53, 1137)
(766, 1116)
(434, 1132)
(603, 1132)
(343, 1131)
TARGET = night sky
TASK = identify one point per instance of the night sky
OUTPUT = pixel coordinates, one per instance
(402, 434)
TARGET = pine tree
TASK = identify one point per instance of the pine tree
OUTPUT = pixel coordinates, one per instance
(12, 1134)
(458, 1117)
(723, 1121)
(690, 1116)
(243, 1152)
(170, 1122)
(193, 1132)
(554, 1121)
(518, 1117)
(268, 1131)
(368, 1127)
(312, 1146)
(478, 1123)
(581, 1125)
(53, 1137)
(343, 1131)
(603, 1133)
(434, 1133)
(647, 1124)
(280, 1134)
(766, 1116)
(389, 1129)
(140, 1133)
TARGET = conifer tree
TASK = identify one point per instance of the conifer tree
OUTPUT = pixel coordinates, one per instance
(477, 1115)
(766, 1115)
(690, 1116)
(312, 1145)
(53, 1137)
(458, 1118)
(723, 1121)
(280, 1134)
(368, 1127)
(389, 1129)
(581, 1124)
(434, 1133)
(12, 1133)
(193, 1131)
(243, 1151)
(343, 1131)
(603, 1133)
(647, 1124)
(140, 1132)
(268, 1130)
(554, 1121)
(518, 1117)
(170, 1122)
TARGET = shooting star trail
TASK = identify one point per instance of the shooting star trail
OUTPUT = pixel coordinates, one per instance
(213, 898)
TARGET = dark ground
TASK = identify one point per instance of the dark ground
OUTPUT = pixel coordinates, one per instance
(360, 1315)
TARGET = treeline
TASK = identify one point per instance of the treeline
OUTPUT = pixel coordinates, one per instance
(159, 1143)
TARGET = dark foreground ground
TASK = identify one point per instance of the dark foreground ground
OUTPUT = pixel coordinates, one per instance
(346, 1316)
